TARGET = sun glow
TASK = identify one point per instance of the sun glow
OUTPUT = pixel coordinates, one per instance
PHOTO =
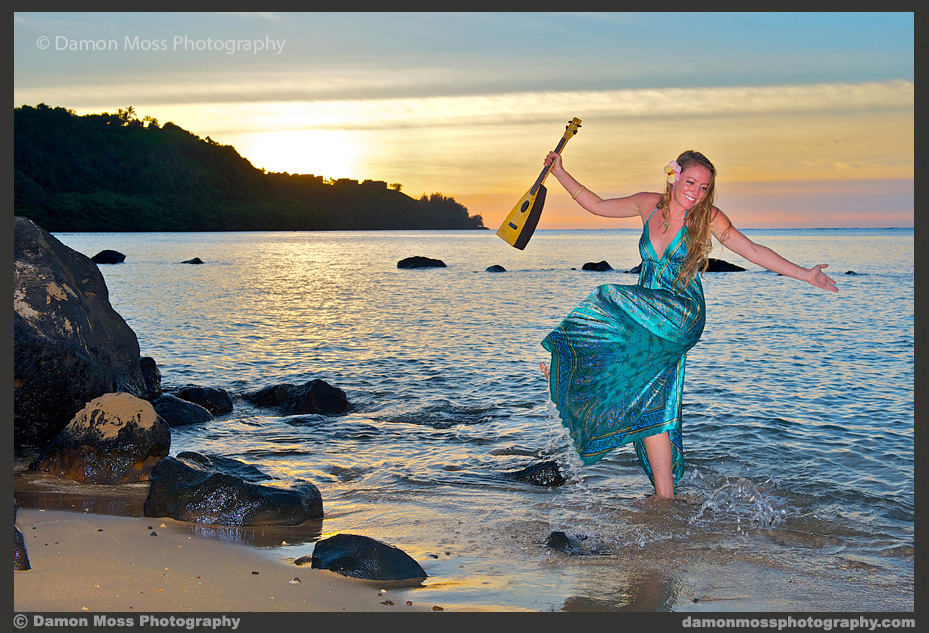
(329, 153)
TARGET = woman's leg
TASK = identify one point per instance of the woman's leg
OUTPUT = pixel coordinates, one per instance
(658, 449)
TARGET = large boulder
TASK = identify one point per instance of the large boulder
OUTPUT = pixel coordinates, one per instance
(69, 344)
(117, 438)
(184, 490)
(366, 558)
(315, 396)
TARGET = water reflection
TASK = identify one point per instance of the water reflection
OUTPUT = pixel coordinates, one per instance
(650, 591)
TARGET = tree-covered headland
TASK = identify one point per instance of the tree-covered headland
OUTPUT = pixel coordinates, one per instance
(116, 172)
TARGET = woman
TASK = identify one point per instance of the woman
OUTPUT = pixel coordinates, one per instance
(617, 370)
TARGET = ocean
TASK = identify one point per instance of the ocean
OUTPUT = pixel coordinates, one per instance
(798, 412)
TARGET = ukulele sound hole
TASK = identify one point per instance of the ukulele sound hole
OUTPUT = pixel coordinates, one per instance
(525, 206)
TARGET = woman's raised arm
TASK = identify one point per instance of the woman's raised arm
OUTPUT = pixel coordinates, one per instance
(627, 207)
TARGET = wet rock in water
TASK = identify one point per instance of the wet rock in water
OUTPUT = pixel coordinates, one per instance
(541, 474)
(69, 344)
(420, 262)
(574, 545)
(315, 396)
(117, 438)
(183, 490)
(635, 269)
(195, 260)
(560, 541)
(179, 412)
(597, 266)
(363, 557)
(20, 557)
(108, 257)
(151, 377)
(226, 465)
(496, 268)
(722, 266)
(213, 399)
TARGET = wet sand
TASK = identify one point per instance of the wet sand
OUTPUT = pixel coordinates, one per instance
(100, 563)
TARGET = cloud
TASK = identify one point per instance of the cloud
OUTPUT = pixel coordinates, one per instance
(538, 107)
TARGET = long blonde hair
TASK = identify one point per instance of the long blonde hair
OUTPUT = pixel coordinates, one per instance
(699, 238)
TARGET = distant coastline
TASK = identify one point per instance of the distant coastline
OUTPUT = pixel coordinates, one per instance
(118, 173)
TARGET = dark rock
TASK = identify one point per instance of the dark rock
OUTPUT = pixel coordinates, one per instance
(20, 557)
(184, 491)
(541, 474)
(179, 412)
(213, 399)
(561, 542)
(108, 257)
(315, 396)
(635, 269)
(117, 438)
(226, 465)
(304, 560)
(420, 262)
(598, 266)
(151, 376)
(363, 557)
(721, 266)
(195, 260)
(69, 344)
(852, 272)
(574, 545)
(495, 269)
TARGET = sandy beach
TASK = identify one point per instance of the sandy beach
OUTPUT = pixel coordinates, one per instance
(83, 562)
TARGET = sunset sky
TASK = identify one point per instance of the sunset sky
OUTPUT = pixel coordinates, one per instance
(808, 116)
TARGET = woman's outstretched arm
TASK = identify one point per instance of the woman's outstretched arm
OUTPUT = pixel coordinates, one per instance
(737, 242)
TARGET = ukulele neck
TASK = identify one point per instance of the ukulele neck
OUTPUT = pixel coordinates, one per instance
(545, 170)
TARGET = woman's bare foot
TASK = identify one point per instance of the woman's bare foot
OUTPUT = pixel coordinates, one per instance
(544, 369)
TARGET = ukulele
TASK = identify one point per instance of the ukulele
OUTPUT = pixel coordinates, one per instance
(522, 220)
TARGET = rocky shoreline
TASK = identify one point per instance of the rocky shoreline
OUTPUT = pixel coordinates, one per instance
(89, 409)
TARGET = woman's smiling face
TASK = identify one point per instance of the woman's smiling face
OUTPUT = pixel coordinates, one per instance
(692, 186)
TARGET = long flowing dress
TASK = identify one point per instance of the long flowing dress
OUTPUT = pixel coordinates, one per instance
(617, 370)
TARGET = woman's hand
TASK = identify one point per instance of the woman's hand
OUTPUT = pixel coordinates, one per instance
(554, 159)
(820, 279)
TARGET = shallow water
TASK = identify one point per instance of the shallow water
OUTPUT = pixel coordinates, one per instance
(798, 412)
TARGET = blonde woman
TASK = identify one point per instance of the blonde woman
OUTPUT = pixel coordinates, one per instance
(617, 369)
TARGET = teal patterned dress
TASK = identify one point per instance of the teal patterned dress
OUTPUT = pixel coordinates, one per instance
(617, 371)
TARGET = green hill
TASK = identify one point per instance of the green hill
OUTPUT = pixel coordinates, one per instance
(115, 172)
